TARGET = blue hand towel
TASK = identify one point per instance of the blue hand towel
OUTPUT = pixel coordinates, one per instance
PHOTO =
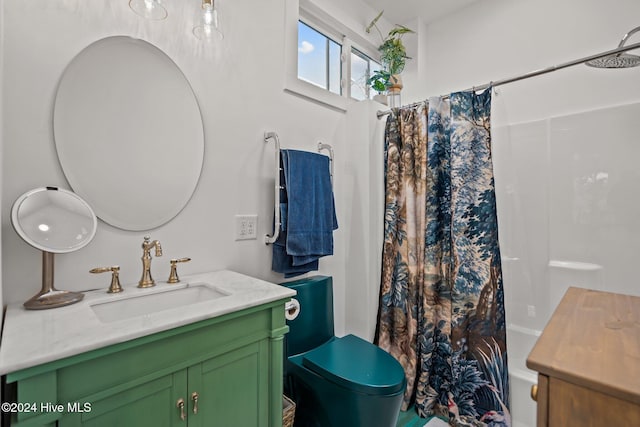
(282, 262)
(308, 213)
(311, 216)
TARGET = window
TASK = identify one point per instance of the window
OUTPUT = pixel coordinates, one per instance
(319, 59)
(325, 61)
(362, 67)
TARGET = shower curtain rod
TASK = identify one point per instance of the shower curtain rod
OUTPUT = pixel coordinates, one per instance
(497, 83)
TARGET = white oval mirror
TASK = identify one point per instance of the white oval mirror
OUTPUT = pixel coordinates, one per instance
(128, 132)
(55, 221)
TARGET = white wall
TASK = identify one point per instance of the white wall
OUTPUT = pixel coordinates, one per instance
(239, 86)
(364, 178)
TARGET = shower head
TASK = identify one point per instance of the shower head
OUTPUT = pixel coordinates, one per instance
(621, 60)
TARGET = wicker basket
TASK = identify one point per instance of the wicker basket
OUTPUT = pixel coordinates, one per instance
(288, 411)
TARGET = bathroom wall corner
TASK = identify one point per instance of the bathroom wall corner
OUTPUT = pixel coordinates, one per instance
(363, 243)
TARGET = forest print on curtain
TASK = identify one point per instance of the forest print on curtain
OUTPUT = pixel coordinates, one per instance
(441, 311)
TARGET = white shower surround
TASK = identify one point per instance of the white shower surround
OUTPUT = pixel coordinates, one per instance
(566, 191)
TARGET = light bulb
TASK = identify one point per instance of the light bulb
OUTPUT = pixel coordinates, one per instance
(208, 25)
(208, 14)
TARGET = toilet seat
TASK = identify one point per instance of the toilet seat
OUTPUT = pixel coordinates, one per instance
(357, 365)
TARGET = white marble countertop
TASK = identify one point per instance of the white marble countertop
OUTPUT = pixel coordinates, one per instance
(34, 337)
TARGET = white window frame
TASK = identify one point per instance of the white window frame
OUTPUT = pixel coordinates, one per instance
(312, 15)
(368, 58)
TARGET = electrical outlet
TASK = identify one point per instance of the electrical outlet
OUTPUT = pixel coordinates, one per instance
(246, 227)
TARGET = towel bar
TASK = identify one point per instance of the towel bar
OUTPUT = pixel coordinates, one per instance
(323, 146)
(276, 220)
(268, 239)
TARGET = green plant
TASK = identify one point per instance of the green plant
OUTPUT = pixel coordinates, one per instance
(393, 55)
(380, 80)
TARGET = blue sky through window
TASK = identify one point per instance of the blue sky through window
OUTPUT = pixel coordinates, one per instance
(318, 59)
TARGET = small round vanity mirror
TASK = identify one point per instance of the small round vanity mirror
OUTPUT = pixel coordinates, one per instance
(53, 220)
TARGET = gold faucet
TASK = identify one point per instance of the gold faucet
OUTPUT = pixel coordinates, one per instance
(147, 281)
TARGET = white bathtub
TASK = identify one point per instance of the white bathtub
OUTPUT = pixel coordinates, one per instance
(520, 341)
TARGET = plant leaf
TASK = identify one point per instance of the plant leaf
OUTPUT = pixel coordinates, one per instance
(379, 80)
(368, 29)
(399, 30)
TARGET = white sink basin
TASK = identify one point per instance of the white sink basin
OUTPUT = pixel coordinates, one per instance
(153, 301)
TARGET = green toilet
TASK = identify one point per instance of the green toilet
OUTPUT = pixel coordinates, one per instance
(336, 382)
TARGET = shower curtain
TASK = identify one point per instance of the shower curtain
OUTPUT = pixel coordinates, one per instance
(441, 311)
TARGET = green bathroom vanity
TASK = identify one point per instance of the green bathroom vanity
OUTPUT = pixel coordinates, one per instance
(216, 362)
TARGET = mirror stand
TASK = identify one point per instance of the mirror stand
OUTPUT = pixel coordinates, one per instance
(49, 296)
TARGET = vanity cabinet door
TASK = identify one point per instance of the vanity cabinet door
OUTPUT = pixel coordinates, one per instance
(151, 404)
(232, 389)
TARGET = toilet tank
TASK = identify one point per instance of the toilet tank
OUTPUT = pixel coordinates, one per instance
(314, 324)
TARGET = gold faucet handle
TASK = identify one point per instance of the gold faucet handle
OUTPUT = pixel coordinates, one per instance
(173, 275)
(114, 287)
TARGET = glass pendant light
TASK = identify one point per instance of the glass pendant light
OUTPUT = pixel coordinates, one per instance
(149, 9)
(207, 22)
